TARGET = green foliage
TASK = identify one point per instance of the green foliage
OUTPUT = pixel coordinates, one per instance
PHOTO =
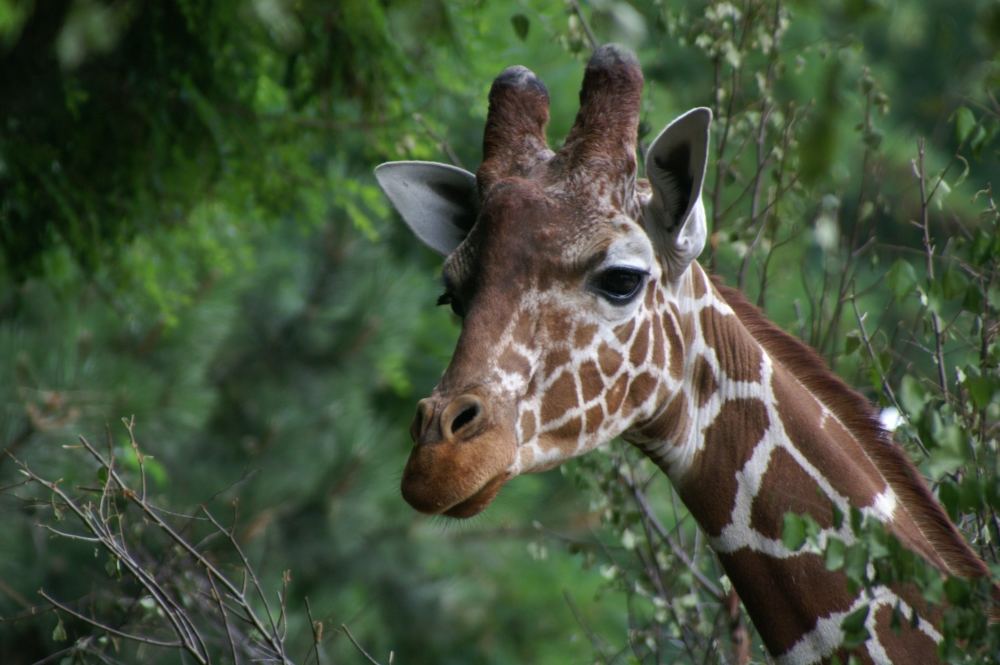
(190, 233)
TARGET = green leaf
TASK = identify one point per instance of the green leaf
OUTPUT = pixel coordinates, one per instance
(949, 496)
(912, 396)
(958, 591)
(857, 520)
(856, 563)
(964, 122)
(834, 554)
(972, 497)
(973, 300)
(521, 25)
(59, 632)
(872, 139)
(854, 629)
(981, 389)
(793, 531)
(953, 283)
(944, 460)
(852, 342)
(113, 566)
(901, 279)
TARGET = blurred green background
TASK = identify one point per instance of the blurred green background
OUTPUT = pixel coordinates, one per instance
(191, 234)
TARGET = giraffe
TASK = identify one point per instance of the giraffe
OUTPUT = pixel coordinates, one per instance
(585, 316)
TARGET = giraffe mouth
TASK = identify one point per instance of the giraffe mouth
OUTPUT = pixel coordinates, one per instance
(476, 503)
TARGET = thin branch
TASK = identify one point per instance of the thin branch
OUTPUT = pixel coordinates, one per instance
(664, 535)
(929, 253)
(357, 646)
(591, 39)
(886, 387)
(114, 631)
(317, 631)
(595, 641)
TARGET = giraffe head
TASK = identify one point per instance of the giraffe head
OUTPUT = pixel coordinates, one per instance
(562, 266)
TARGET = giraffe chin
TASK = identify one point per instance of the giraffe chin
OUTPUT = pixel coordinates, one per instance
(458, 479)
(477, 503)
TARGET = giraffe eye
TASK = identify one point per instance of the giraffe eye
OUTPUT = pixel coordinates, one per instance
(619, 285)
(456, 307)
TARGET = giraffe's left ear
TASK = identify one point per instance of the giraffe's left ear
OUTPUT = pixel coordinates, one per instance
(675, 165)
(437, 201)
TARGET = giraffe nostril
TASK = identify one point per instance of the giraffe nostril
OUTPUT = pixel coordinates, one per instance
(465, 417)
(460, 418)
(420, 419)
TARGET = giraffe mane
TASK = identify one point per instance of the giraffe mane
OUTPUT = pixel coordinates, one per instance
(858, 415)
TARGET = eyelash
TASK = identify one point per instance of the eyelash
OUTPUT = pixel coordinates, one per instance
(447, 298)
(619, 285)
(608, 283)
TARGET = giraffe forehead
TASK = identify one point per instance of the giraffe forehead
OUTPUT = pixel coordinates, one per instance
(525, 227)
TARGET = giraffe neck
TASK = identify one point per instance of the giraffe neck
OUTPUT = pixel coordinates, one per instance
(749, 440)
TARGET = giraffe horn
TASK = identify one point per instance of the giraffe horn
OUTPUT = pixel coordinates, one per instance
(514, 139)
(607, 124)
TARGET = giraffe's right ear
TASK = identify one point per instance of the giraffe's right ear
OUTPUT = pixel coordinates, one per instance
(437, 201)
(675, 165)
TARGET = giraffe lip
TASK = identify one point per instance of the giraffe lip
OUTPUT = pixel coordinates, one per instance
(476, 503)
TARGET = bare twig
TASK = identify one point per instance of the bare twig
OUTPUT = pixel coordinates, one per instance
(105, 523)
(591, 39)
(873, 357)
(361, 649)
(595, 641)
(440, 140)
(924, 224)
(317, 631)
(647, 512)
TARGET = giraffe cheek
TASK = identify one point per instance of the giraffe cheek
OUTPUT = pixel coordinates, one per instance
(642, 390)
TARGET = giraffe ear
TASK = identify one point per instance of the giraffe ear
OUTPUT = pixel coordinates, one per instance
(675, 166)
(437, 201)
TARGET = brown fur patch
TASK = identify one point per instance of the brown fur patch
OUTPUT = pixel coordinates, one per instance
(560, 398)
(739, 357)
(624, 331)
(671, 424)
(641, 387)
(555, 359)
(844, 656)
(659, 354)
(857, 414)
(729, 443)
(528, 425)
(801, 415)
(569, 431)
(685, 322)
(703, 379)
(902, 642)
(583, 335)
(787, 488)
(697, 283)
(676, 347)
(513, 362)
(609, 359)
(771, 589)
(640, 347)
(616, 394)
(591, 381)
(595, 416)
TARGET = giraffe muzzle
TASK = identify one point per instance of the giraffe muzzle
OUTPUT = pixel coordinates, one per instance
(460, 459)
